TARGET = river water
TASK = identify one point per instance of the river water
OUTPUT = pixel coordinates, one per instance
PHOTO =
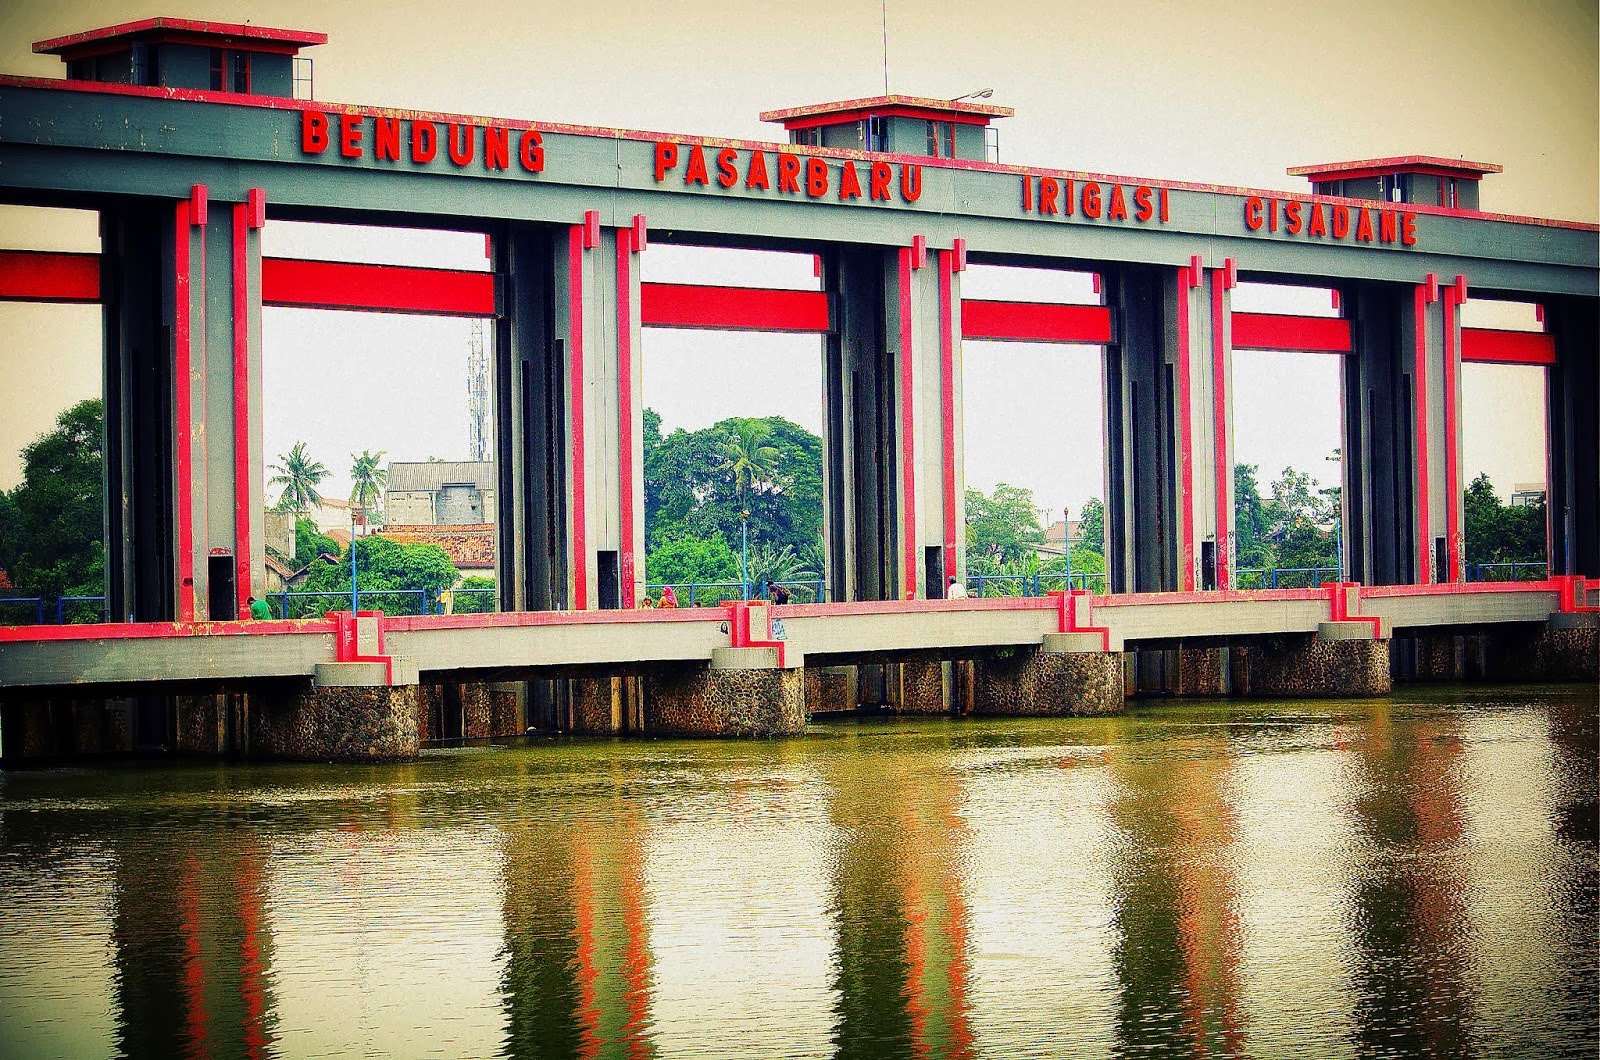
(1409, 877)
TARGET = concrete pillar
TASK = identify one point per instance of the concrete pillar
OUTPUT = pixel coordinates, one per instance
(43, 727)
(1067, 675)
(1315, 666)
(597, 321)
(1144, 474)
(532, 567)
(1573, 392)
(350, 714)
(742, 693)
(1197, 330)
(1402, 496)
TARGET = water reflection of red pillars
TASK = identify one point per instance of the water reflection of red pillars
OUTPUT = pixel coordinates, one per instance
(194, 973)
(636, 954)
(252, 968)
(588, 973)
(958, 971)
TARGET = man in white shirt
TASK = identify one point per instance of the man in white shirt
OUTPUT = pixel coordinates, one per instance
(957, 590)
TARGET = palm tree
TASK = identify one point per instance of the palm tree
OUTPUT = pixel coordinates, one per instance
(299, 475)
(747, 455)
(368, 477)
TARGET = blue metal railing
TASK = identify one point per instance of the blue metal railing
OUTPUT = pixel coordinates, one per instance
(284, 600)
(18, 601)
(710, 594)
(985, 585)
(1283, 577)
(1507, 572)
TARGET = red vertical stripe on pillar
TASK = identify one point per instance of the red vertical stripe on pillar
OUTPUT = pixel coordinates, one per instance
(1419, 385)
(1185, 444)
(625, 412)
(182, 411)
(1452, 470)
(908, 440)
(241, 407)
(1219, 414)
(947, 404)
(580, 541)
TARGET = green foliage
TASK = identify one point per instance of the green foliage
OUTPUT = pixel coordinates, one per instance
(474, 603)
(773, 563)
(299, 475)
(368, 476)
(1002, 529)
(691, 559)
(1092, 527)
(380, 564)
(698, 483)
(309, 543)
(1294, 527)
(1499, 533)
(51, 524)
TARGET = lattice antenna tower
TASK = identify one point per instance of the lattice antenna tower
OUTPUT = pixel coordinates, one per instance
(480, 413)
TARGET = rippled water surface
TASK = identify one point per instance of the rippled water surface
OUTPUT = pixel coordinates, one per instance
(1413, 877)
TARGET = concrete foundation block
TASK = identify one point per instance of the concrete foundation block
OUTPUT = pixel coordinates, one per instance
(744, 658)
(202, 724)
(476, 710)
(1349, 630)
(922, 687)
(348, 723)
(397, 671)
(1071, 642)
(1306, 667)
(1575, 620)
(1033, 682)
(701, 701)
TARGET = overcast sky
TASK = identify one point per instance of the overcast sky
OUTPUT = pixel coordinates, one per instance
(1227, 93)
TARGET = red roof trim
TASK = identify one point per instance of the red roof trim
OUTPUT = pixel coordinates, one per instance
(920, 113)
(1400, 163)
(327, 107)
(882, 103)
(73, 41)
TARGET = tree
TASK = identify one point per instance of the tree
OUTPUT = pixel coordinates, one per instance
(310, 542)
(1250, 518)
(1301, 522)
(749, 456)
(52, 525)
(1092, 528)
(368, 477)
(1002, 528)
(299, 475)
(685, 559)
(692, 487)
(383, 564)
(1500, 533)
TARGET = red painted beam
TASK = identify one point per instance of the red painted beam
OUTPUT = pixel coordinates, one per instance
(1035, 322)
(1272, 331)
(42, 276)
(1493, 346)
(376, 288)
(678, 305)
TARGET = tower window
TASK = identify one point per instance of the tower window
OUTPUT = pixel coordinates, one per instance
(942, 139)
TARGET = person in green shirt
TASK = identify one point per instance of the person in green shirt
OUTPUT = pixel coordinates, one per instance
(259, 609)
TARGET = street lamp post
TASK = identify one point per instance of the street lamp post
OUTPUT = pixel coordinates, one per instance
(744, 554)
(1337, 459)
(1066, 541)
(355, 598)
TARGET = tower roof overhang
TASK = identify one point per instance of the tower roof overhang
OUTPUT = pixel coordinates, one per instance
(109, 39)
